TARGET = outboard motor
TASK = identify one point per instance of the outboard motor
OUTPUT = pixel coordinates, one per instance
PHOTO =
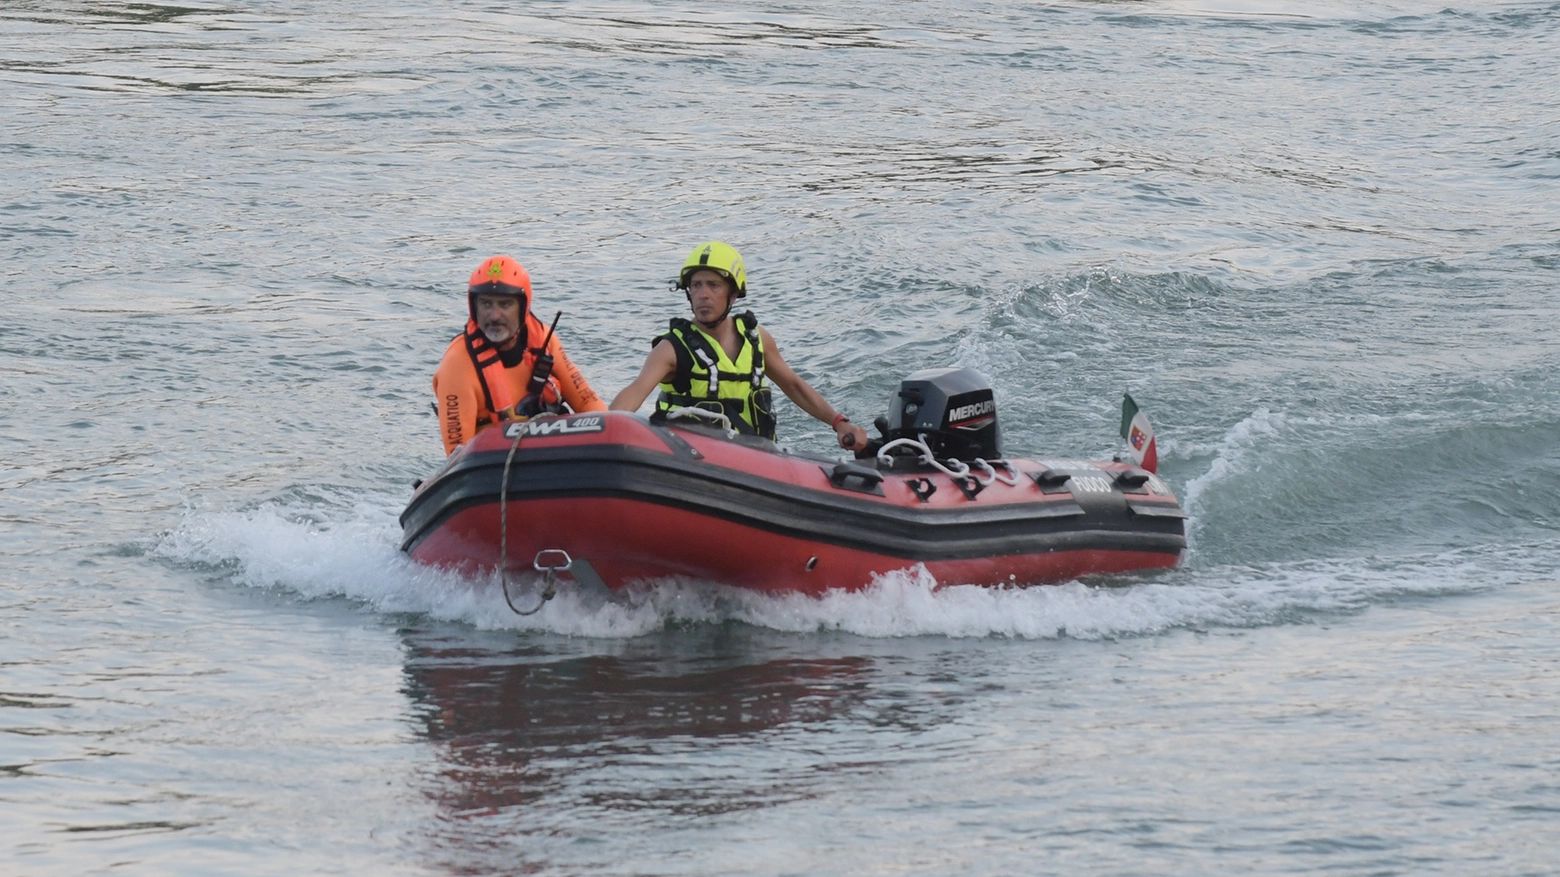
(952, 408)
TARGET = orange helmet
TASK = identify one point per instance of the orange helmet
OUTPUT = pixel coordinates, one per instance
(499, 275)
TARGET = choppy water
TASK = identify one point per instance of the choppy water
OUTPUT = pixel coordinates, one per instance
(1318, 243)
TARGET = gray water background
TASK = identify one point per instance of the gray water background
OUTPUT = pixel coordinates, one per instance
(1317, 242)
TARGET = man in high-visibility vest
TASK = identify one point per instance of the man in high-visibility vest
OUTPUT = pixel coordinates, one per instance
(718, 360)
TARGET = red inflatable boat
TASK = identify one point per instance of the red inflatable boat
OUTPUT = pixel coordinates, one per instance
(616, 498)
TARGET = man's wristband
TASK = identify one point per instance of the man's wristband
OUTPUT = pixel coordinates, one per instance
(838, 419)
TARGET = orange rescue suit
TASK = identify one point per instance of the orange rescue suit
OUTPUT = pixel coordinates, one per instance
(464, 403)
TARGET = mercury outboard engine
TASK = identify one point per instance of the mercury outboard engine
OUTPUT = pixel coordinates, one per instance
(952, 408)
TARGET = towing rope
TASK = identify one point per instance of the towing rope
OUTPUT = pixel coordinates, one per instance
(503, 533)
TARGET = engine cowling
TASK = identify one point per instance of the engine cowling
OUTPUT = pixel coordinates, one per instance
(952, 409)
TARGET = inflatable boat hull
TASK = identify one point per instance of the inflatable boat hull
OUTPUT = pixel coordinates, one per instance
(628, 500)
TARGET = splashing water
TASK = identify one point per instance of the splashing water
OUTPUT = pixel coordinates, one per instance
(350, 551)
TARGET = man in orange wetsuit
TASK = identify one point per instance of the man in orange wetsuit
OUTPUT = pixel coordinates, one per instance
(486, 373)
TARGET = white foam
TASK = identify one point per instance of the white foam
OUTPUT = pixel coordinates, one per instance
(341, 547)
(322, 552)
(1232, 454)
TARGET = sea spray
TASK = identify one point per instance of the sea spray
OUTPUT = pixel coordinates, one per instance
(349, 550)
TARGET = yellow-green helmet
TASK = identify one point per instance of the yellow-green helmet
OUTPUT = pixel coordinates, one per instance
(719, 257)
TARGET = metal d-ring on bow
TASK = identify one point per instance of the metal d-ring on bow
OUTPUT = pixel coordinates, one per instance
(549, 573)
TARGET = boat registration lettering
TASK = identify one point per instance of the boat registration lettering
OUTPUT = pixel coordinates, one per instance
(556, 426)
(1078, 466)
(1090, 484)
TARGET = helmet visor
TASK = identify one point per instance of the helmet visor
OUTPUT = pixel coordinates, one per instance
(494, 287)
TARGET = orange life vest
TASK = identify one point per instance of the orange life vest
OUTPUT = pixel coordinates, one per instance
(490, 369)
(473, 388)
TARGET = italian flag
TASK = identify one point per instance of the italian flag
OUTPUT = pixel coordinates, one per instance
(1137, 432)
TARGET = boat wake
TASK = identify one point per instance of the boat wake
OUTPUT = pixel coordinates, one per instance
(321, 546)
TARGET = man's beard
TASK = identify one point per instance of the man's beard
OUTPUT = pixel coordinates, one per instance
(497, 333)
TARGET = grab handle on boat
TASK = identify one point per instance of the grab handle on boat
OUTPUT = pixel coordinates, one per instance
(870, 479)
(1132, 478)
(971, 485)
(1050, 480)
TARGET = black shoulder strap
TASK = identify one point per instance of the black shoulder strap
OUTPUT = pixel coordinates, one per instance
(671, 330)
(483, 354)
(682, 378)
(747, 324)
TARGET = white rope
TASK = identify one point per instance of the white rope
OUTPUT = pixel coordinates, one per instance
(926, 457)
(956, 468)
(1009, 480)
(703, 414)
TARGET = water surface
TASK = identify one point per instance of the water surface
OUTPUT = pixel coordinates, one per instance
(1318, 244)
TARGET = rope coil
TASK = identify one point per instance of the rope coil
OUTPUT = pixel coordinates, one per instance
(954, 468)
